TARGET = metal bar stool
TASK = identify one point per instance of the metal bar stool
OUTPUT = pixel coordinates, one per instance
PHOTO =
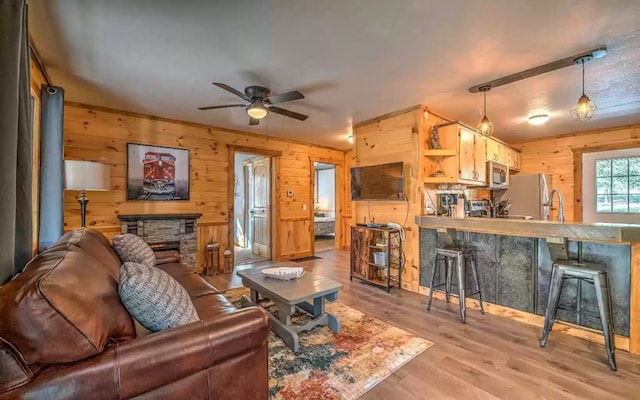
(563, 270)
(458, 257)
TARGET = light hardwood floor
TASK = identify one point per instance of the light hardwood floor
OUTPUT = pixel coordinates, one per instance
(489, 357)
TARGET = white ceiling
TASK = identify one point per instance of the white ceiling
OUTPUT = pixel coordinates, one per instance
(353, 60)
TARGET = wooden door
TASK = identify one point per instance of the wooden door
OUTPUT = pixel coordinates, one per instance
(466, 154)
(480, 151)
(260, 210)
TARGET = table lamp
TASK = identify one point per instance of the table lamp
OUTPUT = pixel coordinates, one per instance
(85, 176)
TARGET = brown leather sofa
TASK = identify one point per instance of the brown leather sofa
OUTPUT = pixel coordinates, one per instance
(64, 334)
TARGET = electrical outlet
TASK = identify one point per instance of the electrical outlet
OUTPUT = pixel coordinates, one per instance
(304, 207)
(289, 193)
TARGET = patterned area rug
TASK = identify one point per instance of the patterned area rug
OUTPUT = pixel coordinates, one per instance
(335, 366)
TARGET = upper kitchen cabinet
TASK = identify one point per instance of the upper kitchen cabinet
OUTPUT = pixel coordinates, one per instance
(493, 150)
(503, 154)
(515, 160)
(461, 158)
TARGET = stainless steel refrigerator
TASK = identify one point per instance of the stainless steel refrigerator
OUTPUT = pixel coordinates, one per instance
(529, 194)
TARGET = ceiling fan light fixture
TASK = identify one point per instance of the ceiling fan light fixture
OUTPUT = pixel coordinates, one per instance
(485, 127)
(257, 111)
(539, 119)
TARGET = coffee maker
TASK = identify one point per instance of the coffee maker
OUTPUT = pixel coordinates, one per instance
(448, 199)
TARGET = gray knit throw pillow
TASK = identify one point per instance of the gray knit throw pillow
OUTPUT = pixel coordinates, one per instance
(131, 248)
(154, 298)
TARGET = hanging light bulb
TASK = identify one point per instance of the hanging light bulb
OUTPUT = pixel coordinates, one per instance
(485, 126)
(585, 109)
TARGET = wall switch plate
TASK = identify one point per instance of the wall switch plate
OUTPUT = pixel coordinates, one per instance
(304, 207)
(289, 193)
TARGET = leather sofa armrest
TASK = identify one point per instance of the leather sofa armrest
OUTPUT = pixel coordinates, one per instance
(141, 365)
(177, 353)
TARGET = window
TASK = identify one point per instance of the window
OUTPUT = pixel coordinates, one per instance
(618, 185)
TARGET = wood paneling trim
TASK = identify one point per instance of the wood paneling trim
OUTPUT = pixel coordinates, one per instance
(634, 303)
(253, 150)
(577, 186)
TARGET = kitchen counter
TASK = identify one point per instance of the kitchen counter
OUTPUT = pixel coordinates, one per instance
(599, 232)
(514, 259)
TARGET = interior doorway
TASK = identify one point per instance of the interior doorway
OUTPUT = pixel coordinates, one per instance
(324, 215)
(252, 208)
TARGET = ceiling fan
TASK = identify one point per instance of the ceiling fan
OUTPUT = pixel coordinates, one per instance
(260, 103)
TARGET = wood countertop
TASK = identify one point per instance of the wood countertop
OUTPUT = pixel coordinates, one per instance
(598, 232)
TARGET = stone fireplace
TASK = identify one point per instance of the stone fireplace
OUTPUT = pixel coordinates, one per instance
(166, 232)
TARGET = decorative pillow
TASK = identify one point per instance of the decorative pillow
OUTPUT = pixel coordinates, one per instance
(154, 298)
(131, 248)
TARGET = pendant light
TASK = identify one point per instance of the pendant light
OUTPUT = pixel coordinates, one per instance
(585, 109)
(485, 126)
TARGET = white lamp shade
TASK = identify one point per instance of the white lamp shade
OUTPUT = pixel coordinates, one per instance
(86, 175)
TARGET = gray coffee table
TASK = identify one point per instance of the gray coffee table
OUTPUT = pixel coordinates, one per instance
(308, 292)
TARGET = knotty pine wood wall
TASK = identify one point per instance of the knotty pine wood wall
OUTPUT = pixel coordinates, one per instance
(555, 156)
(98, 134)
(399, 136)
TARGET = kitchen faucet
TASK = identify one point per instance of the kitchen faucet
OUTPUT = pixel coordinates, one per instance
(561, 216)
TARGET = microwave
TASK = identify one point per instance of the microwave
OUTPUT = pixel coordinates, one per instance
(497, 175)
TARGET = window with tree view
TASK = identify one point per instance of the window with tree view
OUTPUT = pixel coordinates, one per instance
(618, 185)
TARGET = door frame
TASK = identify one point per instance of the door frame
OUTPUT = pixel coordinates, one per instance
(340, 190)
(274, 207)
(245, 203)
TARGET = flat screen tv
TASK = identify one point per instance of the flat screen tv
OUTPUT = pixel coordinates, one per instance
(378, 182)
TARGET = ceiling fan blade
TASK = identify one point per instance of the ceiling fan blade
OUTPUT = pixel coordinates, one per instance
(232, 90)
(225, 106)
(287, 113)
(289, 96)
(253, 121)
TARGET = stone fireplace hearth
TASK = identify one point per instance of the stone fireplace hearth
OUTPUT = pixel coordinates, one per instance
(163, 231)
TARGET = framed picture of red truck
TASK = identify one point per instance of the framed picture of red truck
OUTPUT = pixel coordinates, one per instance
(157, 173)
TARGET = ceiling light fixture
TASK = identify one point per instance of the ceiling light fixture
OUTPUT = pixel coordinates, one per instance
(585, 109)
(257, 110)
(539, 119)
(485, 126)
(350, 138)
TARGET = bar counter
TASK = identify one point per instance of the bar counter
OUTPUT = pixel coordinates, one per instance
(514, 261)
(615, 233)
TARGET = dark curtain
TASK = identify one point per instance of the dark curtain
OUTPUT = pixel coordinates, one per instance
(16, 147)
(51, 166)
